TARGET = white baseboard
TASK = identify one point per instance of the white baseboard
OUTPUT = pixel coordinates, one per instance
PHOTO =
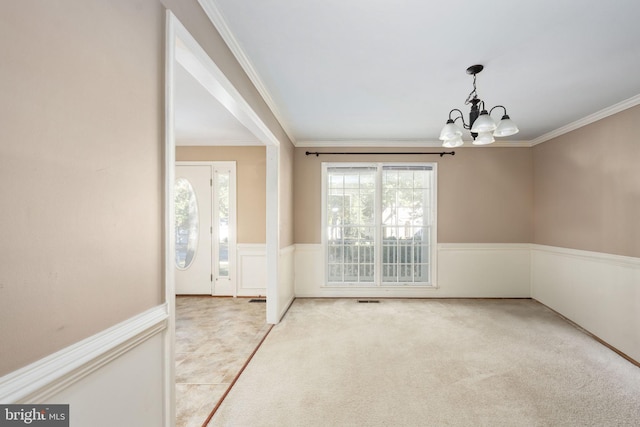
(285, 307)
(42, 380)
(598, 291)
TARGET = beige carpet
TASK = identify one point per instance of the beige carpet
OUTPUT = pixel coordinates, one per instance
(431, 363)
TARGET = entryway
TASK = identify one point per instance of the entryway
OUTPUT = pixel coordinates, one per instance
(205, 232)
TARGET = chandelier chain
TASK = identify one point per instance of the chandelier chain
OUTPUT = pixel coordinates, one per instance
(473, 94)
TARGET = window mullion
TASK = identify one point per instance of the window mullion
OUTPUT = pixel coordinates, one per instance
(358, 245)
(378, 221)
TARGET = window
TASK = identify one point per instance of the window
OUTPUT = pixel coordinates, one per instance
(379, 224)
(187, 223)
(222, 178)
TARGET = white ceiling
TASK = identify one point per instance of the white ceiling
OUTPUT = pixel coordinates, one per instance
(380, 70)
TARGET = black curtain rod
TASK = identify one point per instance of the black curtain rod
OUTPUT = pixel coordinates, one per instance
(439, 153)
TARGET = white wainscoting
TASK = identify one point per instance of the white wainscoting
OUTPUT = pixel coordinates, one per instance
(252, 269)
(484, 270)
(286, 285)
(463, 270)
(122, 367)
(252, 274)
(600, 292)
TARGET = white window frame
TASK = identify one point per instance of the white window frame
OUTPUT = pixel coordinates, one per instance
(378, 282)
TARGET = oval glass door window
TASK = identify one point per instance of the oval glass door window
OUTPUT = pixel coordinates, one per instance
(187, 223)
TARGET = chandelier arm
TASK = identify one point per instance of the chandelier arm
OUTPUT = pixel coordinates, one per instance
(461, 117)
(498, 106)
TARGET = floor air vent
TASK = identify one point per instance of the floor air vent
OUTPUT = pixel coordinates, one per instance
(368, 301)
(258, 300)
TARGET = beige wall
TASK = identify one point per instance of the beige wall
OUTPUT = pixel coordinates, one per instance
(81, 180)
(587, 187)
(81, 164)
(250, 184)
(484, 194)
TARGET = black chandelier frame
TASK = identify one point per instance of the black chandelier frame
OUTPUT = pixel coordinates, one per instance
(477, 104)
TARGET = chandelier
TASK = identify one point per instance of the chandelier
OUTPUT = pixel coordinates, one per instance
(483, 128)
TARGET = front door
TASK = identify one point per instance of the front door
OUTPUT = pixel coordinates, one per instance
(205, 228)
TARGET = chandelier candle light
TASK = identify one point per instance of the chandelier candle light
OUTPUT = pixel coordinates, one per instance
(483, 128)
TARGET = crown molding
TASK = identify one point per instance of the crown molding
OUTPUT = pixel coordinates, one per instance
(616, 108)
(212, 142)
(409, 143)
(220, 23)
(385, 143)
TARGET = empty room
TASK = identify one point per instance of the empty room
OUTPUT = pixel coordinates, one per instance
(437, 203)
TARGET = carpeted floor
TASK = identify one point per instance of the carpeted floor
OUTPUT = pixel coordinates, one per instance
(335, 362)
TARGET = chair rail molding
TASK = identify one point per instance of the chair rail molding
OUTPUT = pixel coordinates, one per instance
(44, 378)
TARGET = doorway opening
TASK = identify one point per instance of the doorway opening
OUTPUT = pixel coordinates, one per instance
(184, 53)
